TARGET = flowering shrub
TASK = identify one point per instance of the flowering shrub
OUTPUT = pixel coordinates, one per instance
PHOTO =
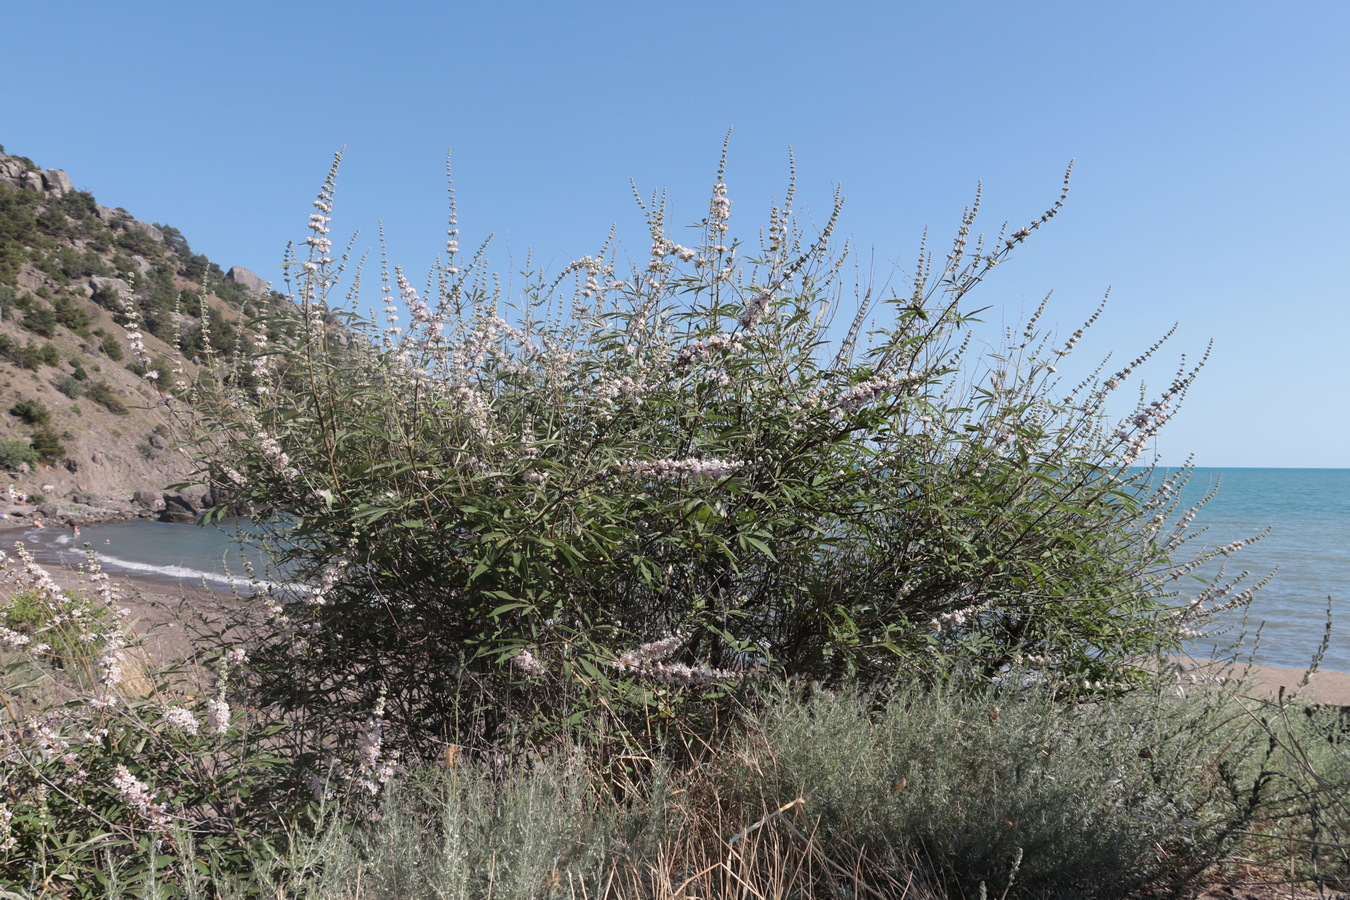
(509, 495)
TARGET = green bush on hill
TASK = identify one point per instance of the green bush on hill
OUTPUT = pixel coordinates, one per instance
(31, 412)
(14, 454)
(110, 345)
(41, 320)
(47, 445)
(105, 395)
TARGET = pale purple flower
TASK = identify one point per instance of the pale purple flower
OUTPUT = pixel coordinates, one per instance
(647, 653)
(217, 715)
(719, 209)
(12, 640)
(526, 662)
(372, 772)
(136, 794)
(865, 392)
(181, 719)
(7, 839)
(676, 469)
(755, 308)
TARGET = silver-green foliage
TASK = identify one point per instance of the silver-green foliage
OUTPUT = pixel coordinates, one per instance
(467, 833)
(999, 786)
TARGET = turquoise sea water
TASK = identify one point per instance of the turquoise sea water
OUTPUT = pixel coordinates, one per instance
(209, 556)
(1307, 510)
(1308, 513)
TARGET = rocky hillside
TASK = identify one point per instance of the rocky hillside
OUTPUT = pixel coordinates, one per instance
(80, 423)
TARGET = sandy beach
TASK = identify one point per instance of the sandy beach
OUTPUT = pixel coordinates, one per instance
(169, 615)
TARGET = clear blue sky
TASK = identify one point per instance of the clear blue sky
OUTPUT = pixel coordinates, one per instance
(1211, 141)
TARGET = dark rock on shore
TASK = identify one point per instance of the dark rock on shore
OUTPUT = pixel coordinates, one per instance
(187, 505)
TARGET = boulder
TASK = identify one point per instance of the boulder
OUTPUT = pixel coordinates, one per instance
(178, 510)
(113, 285)
(144, 228)
(31, 181)
(186, 505)
(57, 182)
(250, 282)
(11, 171)
(107, 214)
(148, 500)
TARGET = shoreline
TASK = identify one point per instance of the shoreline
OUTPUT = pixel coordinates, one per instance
(161, 610)
(1267, 683)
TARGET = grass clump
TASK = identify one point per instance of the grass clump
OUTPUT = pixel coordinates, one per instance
(999, 787)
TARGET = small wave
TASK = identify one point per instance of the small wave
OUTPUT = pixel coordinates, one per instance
(184, 573)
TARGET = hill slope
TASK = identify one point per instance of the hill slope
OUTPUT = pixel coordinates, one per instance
(79, 421)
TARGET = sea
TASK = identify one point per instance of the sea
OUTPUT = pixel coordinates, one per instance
(1306, 552)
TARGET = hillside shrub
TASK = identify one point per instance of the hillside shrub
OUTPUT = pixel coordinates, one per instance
(111, 347)
(31, 412)
(105, 395)
(47, 445)
(14, 454)
(70, 386)
(41, 320)
(643, 488)
(136, 242)
(107, 297)
(31, 356)
(72, 314)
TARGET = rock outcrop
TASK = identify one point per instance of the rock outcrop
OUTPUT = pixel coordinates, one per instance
(57, 182)
(16, 172)
(246, 279)
(144, 228)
